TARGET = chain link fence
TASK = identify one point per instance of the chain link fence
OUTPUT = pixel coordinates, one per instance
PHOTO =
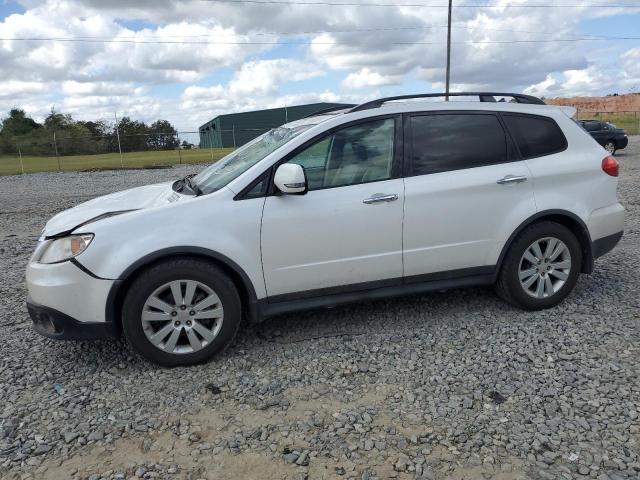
(630, 121)
(63, 151)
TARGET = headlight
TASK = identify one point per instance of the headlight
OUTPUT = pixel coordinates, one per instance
(65, 248)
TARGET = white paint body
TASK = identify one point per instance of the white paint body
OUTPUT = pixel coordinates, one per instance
(330, 238)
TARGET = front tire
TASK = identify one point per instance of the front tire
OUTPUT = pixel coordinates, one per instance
(541, 267)
(181, 312)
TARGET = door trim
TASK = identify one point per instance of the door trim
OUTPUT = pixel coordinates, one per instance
(383, 284)
(335, 296)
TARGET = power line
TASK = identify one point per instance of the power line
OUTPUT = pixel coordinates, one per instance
(308, 32)
(379, 4)
(182, 42)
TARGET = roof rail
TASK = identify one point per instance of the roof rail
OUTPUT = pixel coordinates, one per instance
(331, 109)
(483, 96)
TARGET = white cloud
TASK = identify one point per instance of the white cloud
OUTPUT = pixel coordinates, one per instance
(257, 84)
(13, 89)
(368, 78)
(73, 88)
(264, 77)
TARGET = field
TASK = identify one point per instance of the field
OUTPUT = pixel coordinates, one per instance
(10, 164)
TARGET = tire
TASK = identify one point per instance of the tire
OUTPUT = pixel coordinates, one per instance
(611, 147)
(558, 275)
(211, 317)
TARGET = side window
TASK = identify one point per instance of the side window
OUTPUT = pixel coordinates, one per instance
(591, 126)
(358, 154)
(537, 136)
(259, 189)
(444, 142)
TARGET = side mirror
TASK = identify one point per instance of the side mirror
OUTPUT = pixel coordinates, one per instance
(290, 178)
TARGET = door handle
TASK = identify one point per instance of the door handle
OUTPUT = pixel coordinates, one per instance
(380, 197)
(512, 179)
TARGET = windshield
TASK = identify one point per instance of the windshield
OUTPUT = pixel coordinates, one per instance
(239, 161)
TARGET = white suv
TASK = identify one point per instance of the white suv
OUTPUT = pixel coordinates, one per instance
(392, 197)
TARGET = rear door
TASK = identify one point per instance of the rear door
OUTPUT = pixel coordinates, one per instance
(465, 193)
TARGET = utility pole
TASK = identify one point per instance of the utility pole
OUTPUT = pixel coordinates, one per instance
(179, 153)
(115, 116)
(55, 146)
(448, 51)
(211, 140)
(21, 164)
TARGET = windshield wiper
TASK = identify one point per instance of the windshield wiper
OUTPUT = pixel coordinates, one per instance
(187, 182)
(193, 185)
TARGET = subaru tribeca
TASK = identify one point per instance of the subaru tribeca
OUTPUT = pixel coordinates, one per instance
(392, 197)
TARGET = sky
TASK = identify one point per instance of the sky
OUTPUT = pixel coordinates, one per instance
(189, 61)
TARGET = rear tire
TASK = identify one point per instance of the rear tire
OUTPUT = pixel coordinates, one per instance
(541, 267)
(201, 323)
(610, 147)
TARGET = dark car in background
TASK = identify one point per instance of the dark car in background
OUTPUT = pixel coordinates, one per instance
(606, 134)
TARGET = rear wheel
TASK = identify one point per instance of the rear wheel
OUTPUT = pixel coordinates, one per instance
(541, 267)
(610, 146)
(181, 312)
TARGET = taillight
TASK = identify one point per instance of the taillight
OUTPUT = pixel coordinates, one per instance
(610, 166)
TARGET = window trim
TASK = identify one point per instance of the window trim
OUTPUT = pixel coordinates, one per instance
(543, 117)
(245, 192)
(511, 152)
(396, 165)
(396, 162)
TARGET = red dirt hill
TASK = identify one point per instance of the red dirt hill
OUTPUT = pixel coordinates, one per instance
(618, 104)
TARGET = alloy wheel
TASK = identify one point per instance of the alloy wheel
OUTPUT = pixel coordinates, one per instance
(182, 316)
(610, 147)
(544, 267)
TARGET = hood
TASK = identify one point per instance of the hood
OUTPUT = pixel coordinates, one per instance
(110, 205)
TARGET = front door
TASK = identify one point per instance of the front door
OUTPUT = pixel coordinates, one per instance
(345, 233)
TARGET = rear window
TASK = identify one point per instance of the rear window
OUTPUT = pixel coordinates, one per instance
(444, 142)
(536, 136)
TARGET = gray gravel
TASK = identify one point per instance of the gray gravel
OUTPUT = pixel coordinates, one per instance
(447, 385)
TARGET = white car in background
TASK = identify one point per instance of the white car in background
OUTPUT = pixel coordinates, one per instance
(392, 197)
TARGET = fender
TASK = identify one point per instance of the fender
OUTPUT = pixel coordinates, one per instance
(119, 288)
(583, 236)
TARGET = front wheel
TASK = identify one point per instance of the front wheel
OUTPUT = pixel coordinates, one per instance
(181, 312)
(541, 267)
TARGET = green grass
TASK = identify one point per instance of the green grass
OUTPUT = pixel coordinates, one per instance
(10, 164)
(629, 121)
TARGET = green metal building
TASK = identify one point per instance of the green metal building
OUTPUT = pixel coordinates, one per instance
(236, 129)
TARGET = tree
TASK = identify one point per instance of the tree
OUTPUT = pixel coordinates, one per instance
(17, 123)
(132, 135)
(81, 137)
(15, 126)
(163, 136)
(57, 121)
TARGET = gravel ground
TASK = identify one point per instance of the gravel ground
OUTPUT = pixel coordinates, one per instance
(447, 385)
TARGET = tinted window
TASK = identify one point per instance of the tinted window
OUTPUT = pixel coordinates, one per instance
(536, 136)
(591, 126)
(454, 141)
(358, 154)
